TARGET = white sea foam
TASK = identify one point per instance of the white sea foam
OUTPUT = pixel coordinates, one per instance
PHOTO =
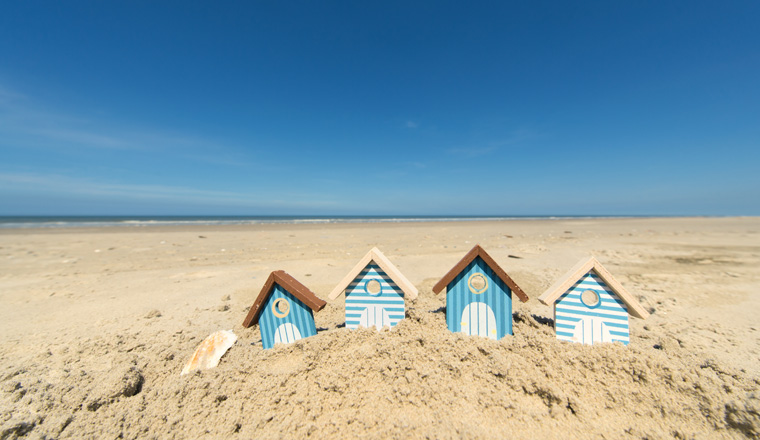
(99, 222)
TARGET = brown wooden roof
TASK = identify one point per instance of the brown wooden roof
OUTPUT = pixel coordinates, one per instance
(288, 283)
(478, 251)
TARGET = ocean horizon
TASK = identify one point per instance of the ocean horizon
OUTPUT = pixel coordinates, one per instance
(22, 222)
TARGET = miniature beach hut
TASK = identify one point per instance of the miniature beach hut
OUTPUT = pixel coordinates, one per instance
(375, 292)
(479, 296)
(284, 310)
(590, 306)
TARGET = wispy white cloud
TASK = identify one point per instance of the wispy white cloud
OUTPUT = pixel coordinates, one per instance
(517, 137)
(473, 151)
(82, 138)
(67, 186)
(111, 156)
(82, 186)
(25, 123)
(226, 159)
(412, 124)
(7, 96)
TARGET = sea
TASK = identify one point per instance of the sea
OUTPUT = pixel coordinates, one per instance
(21, 222)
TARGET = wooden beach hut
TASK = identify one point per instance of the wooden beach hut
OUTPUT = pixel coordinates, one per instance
(284, 310)
(590, 306)
(479, 296)
(376, 292)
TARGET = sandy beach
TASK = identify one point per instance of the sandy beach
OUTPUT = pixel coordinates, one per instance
(96, 325)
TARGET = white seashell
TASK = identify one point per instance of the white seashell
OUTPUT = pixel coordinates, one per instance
(212, 349)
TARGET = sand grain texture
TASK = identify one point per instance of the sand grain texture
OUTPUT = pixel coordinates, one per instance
(93, 342)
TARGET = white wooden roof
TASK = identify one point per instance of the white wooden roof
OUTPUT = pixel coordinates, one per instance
(582, 268)
(385, 264)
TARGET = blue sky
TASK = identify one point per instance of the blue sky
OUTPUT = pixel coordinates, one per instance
(267, 108)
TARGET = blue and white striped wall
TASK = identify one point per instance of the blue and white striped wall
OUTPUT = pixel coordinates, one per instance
(366, 310)
(487, 314)
(297, 324)
(577, 322)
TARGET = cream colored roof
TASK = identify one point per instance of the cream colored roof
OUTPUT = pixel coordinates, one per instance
(583, 267)
(385, 264)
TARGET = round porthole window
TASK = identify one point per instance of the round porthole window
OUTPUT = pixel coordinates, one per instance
(590, 298)
(373, 287)
(478, 283)
(281, 307)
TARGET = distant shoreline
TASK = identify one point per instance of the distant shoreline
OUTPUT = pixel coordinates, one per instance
(78, 222)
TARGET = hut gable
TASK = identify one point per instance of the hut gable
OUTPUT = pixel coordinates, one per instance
(368, 308)
(590, 306)
(475, 252)
(284, 310)
(375, 292)
(479, 296)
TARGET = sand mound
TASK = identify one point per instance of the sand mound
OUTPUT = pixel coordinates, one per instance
(417, 380)
(93, 343)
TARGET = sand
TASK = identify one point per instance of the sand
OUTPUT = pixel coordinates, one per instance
(96, 325)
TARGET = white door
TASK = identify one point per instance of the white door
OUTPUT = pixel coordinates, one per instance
(591, 330)
(374, 316)
(286, 333)
(478, 319)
